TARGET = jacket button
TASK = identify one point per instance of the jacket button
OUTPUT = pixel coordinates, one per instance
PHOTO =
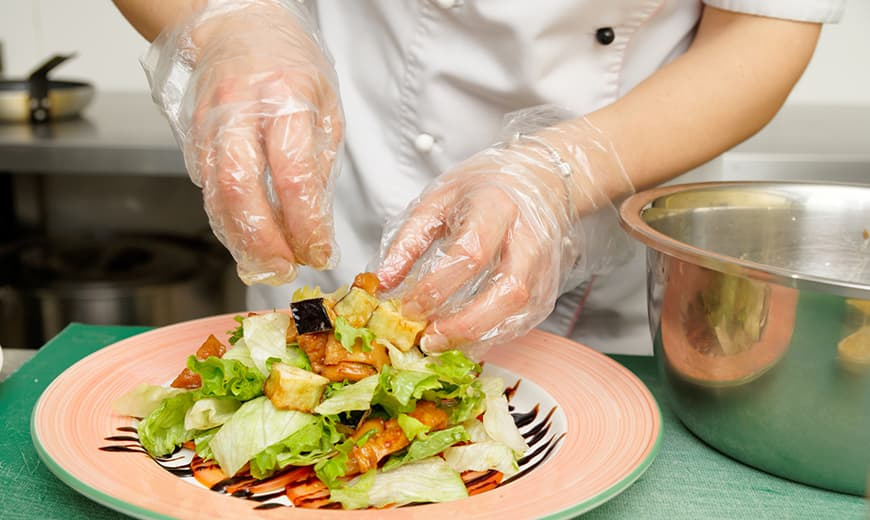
(424, 143)
(605, 35)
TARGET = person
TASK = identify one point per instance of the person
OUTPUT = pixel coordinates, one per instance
(483, 146)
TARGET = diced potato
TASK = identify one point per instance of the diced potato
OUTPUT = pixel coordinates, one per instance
(387, 323)
(292, 388)
(357, 307)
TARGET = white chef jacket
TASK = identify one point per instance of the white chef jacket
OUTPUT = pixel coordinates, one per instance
(426, 83)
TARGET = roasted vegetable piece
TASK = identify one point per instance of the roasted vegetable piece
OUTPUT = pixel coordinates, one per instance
(311, 316)
(429, 414)
(189, 379)
(292, 388)
(387, 323)
(336, 353)
(357, 306)
(314, 346)
(368, 282)
(389, 437)
(348, 370)
(292, 334)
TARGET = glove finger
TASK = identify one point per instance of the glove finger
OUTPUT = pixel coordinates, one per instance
(238, 206)
(470, 248)
(509, 306)
(423, 224)
(301, 172)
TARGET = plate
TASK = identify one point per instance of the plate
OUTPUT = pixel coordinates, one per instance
(611, 425)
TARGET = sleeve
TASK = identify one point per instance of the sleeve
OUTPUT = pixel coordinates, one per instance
(820, 11)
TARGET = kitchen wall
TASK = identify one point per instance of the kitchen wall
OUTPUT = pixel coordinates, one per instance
(108, 49)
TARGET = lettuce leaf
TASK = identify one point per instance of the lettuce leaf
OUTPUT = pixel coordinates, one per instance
(476, 431)
(210, 412)
(162, 431)
(412, 428)
(266, 337)
(241, 353)
(142, 400)
(482, 456)
(201, 441)
(410, 360)
(356, 396)
(329, 471)
(223, 377)
(306, 446)
(429, 480)
(498, 422)
(399, 390)
(237, 333)
(454, 367)
(348, 335)
(428, 446)
(253, 428)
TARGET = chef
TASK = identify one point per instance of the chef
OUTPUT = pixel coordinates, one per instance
(471, 152)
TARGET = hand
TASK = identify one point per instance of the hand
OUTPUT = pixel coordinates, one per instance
(489, 246)
(263, 132)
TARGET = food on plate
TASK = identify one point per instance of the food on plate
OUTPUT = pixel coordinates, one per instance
(334, 403)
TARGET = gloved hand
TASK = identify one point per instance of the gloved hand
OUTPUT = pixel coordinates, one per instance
(252, 97)
(487, 248)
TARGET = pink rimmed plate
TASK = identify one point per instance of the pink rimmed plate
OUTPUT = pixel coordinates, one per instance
(603, 434)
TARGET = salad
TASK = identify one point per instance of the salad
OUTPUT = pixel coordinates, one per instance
(335, 402)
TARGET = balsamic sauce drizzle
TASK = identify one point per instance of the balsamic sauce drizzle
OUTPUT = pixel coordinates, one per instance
(538, 429)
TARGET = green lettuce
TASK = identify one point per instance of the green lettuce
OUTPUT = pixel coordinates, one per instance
(498, 421)
(201, 440)
(427, 446)
(482, 456)
(330, 470)
(412, 428)
(237, 333)
(399, 390)
(304, 447)
(253, 428)
(266, 337)
(428, 480)
(348, 335)
(241, 353)
(144, 399)
(210, 412)
(454, 367)
(356, 396)
(162, 431)
(227, 378)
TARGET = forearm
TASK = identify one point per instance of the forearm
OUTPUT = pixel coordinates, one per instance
(150, 17)
(726, 87)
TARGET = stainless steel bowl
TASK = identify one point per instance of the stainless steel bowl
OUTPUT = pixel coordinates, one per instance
(759, 306)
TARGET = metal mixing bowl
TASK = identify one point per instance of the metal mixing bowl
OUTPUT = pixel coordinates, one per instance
(759, 306)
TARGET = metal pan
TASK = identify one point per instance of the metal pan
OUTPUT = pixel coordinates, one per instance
(38, 99)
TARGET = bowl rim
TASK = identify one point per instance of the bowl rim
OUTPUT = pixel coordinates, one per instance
(630, 211)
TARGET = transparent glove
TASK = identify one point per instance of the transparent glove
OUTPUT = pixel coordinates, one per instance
(487, 248)
(252, 97)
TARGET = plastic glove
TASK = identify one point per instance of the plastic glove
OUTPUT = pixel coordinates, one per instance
(252, 97)
(487, 248)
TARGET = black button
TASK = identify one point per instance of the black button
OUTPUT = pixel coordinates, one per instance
(605, 35)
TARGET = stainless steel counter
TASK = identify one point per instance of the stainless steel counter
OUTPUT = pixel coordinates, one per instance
(123, 133)
(119, 133)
